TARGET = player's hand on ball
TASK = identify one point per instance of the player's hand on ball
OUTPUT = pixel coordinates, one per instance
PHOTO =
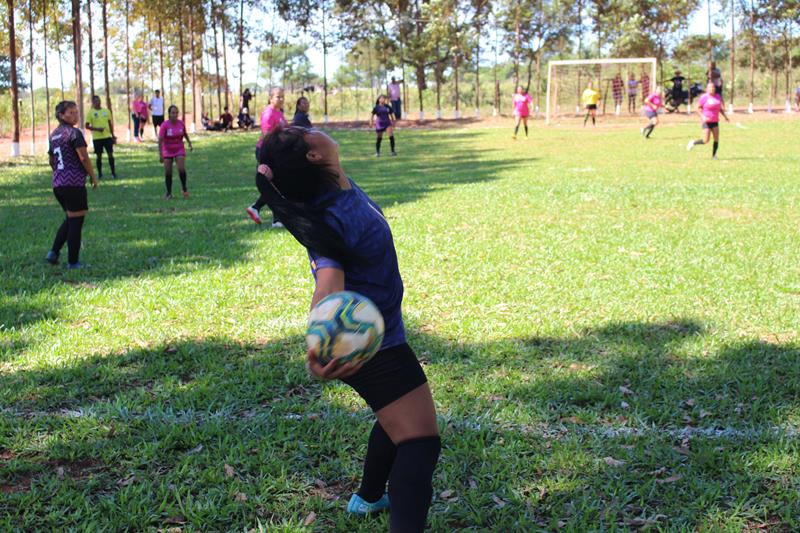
(333, 370)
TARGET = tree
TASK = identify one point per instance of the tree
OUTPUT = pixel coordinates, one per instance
(76, 52)
(106, 81)
(12, 55)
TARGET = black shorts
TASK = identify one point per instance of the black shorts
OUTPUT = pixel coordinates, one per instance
(101, 144)
(710, 125)
(72, 198)
(591, 106)
(389, 375)
(158, 120)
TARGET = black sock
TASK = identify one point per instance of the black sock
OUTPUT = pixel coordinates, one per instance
(410, 488)
(516, 129)
(585, 119)
(714, 150)
(378, 463)
(699, 141)
(168, 182)
(391, 142)
(526, 130)
(182, 175)
(74, 238)
(648, 130)
(111, 164)
(61, 236)
(593, 122)
(378, 145)
(100, 164)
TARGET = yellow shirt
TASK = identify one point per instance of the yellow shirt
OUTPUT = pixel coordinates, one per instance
(99, 118)
(590, 97)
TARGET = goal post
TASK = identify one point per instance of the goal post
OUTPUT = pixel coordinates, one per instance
(593, 68)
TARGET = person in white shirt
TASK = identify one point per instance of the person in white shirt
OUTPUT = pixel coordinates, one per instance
(156, 107)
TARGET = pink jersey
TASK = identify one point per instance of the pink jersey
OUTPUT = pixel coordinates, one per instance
(654, 102)
(171, 136)
(270, 119)
(521, 103)
(140, 108)
(710, 105)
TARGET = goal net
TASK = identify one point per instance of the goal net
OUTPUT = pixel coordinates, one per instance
(622, 83)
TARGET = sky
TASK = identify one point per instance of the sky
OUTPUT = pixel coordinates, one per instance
(697, 25)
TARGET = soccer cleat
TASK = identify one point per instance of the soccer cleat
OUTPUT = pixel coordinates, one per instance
(641, 130)
(394, 153)
(52, 257)
(253, 213)
(186, 194)
(113, 176)
(377, 154)
(359, 506)
(167, 197)
(690, 146)
(714, 157)
(514, 137)
(277, 224)
(75, 266)
(99, 176)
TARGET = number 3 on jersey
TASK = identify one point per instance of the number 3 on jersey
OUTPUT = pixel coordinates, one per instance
(57, 153)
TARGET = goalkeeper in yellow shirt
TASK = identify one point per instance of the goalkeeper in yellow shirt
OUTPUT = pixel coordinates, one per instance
(98, 121)
(589, 98)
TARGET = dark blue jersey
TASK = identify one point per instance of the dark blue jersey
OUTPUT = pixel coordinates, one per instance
(376, 275)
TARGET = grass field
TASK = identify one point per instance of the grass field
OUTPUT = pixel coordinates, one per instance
(610, 327)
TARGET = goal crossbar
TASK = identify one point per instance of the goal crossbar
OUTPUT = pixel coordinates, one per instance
(609, 61)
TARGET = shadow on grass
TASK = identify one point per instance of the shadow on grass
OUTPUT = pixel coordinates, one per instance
(142, 438)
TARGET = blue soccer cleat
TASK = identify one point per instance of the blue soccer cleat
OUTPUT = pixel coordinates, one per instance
(75, 266)
(52, 257)
(360, 506)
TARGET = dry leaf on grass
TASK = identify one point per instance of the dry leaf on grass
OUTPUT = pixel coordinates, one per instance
(498, 501)
(683, 450)
(670, 479)
(310, 518)
(177, 520)
(472, 484)
(625, 390)
(614, 463)
(126, 481)
(240, 497)
(446, 494)
(319, 483)
(60, 472)
(229, 471)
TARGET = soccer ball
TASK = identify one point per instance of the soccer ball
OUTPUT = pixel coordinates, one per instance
(345, 326)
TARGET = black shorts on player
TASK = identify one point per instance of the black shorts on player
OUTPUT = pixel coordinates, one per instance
(158, 120)
(72, 198)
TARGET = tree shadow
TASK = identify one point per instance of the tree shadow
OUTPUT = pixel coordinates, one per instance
(219, 435)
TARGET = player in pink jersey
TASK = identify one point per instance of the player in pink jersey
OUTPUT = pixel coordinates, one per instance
(652, 104)
(271, 118)
(709, 107)
(170, 147)
(522, 101)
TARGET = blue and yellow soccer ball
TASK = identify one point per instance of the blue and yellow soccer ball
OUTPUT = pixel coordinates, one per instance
(345, 326)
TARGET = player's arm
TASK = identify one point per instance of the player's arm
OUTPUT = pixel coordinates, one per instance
(111, 129)
(188, 140)
(83, 155)
(160, 143)
(329, 281)
(722, 111)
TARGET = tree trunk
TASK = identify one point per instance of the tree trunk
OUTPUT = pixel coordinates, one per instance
(752, 52)
(538, 79)
(478, 71)
(181, 66)
(787, 41)
(12, 55)
(193, 74)
(33, 101)
(104, 5)
(455, 83)
(46, 77)
(128, 65)
(517, 45)
(216, 55)
(61, 70)
(76, 51)
(160, 57)
(211, 86)
(91, 46)
(324, 65)
(241, 47)
(733, 51)
(224, 53)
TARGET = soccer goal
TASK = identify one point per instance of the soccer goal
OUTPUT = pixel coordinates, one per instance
(622, 83)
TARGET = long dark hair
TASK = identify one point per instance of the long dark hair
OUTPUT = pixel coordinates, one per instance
(299, 192)
(297, 104)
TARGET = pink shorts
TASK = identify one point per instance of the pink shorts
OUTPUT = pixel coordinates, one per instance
(169, 153)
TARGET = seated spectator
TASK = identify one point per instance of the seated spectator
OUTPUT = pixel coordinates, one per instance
(226, 120)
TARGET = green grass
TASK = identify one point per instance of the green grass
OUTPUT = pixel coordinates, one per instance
(547, 282)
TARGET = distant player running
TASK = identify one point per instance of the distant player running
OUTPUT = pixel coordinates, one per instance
(71, 164)
(170, 147)
(522, 101)
(98, 121)
(589, 98)
(271, 118)
(709, 107)
(652, 104)
(384, 123)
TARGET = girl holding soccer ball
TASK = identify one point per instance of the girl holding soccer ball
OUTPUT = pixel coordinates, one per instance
(350, 247)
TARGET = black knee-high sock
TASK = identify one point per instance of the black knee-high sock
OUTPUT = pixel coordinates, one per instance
(593, 122)
(100, 164)
(168, 182)
(74, 238)
(410, 487)
(381, 452)
(526, 130)
(111, 164)
(715, 146)
(585, 119)
(61, 236)
(378, 145)
(182, 175)
(648, 130)
(699, 141)
(391, 142)
(516, 129)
